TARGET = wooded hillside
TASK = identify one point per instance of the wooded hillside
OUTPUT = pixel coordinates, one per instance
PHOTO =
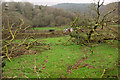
(51, 16)
(37, 16)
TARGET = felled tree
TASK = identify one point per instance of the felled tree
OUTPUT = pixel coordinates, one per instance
(93, 31)
(8, 45)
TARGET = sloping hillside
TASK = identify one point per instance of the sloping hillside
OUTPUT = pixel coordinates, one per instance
(38, 15)
(74, 7)
(86, 7)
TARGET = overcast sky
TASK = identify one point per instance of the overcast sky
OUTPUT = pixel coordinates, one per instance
(53, 2)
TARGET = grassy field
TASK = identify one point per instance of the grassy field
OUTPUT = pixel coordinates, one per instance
(47, 28)
(70, 61)
(115, 25)
(58, 28)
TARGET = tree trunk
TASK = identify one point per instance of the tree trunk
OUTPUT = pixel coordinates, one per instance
(90, 33)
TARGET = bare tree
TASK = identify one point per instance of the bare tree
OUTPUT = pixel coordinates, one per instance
(99, 22)
(93, 30)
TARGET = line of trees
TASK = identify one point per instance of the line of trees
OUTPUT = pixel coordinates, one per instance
(37, 16)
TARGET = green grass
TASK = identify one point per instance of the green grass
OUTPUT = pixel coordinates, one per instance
(53, 63)
(47, 28)
(115, 25)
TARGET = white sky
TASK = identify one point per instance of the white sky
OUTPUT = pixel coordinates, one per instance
(53, 2)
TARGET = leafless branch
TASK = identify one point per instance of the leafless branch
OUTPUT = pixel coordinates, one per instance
(107, 15)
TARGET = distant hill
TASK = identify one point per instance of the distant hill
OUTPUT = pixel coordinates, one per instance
(74, 7)
(39, 16)
(84, 7)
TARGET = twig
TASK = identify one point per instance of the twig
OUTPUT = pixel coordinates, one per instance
(7, 54)
(103, 73)
(67, 41)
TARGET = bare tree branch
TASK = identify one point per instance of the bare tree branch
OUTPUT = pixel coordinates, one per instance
(107, 15)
